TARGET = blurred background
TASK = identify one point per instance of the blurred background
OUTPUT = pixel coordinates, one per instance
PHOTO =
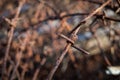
(36, 45)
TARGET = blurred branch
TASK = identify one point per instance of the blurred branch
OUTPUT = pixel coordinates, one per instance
(22, 48)
(13, 24)
(99, 3)
(48, 5)
(118, 1)
(38, 69)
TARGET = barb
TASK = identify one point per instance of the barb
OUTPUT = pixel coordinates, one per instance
(72, 42)
(80, 49)
(68, 39)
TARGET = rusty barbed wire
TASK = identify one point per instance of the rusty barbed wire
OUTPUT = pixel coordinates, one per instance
(74, 32)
